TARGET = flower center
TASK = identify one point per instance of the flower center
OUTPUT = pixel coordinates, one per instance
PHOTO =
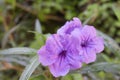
(63, 53)
(84, 44)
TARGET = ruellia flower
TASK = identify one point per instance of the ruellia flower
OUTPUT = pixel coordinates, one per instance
(60, 54)
(70, 26)
(90, 43)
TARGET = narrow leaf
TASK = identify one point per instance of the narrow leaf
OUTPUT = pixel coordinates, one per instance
(19, 59)
(104, 66)
(19, 50)
(38, 26)
(116, 9)
(34, 63)
(6, 36)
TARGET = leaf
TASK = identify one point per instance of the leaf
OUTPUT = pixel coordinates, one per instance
(34, 63)
(40, 77)
(12, 2)
(93, 76)
(19, 50)
(39, 41)
(39, 37)
(67, 77)
(77, 76)
(6, 36)
(104, 66)
(107, 58)
(19, 59)
(38, 26)
(116, 9)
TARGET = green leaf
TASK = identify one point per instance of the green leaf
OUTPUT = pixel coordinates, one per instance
(39, 41)
(68, 15)
(67, 77)
(77, 76)
(19, 50)
(40, 77)
(104, 66)
(12, 2)
(34, 63)
(106, 58)
(116, 9)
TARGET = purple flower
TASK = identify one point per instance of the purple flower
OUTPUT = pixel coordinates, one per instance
(70, 26)
(70, 47)
(60, 54)
(90, 43)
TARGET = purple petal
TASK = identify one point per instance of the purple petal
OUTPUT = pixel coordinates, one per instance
(73, 53)
(97, 44)
(53, 44)
(70, 26)
(69, 42)
(60, 67)
(88, 32)
(76, 33)
(75, 65)
(45, 57)
(65, 40)
(74, 61)
(88, 55)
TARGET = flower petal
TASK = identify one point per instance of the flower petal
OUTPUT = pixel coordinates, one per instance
(60, 67)
(75, 65)
(69, 42)
(88, 32)
(45, 57)
(88, 55)
(74, 61)
(53, 44)
(70, 26)
(97, 44)
(76, 33)
(73, 53)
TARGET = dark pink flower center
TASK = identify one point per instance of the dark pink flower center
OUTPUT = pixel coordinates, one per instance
(63, 53)
(84, 44)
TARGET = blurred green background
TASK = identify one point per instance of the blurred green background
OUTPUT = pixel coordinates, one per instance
(17, 29)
